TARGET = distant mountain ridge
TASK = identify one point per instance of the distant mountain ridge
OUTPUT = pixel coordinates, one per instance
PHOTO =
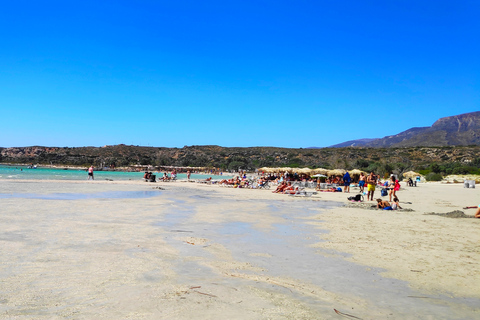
(459, 130)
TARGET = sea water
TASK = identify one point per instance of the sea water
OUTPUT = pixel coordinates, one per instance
(23, 172)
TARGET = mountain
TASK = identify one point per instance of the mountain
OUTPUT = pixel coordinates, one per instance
(459, 130)
(352, 143)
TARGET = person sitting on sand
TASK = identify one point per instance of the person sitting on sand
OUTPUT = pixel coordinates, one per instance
(396, 204)
(280, 188)
(383, 204)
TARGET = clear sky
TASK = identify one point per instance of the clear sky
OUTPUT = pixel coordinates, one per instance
(232, 73)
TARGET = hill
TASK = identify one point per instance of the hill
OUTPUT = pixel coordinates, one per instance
(459, 130)
(381, 160)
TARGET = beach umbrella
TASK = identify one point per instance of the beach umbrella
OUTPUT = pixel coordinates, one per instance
(411, 174)
(320, 171)
(336, 172)
(319, 175)
(355, 171)
(305, 170)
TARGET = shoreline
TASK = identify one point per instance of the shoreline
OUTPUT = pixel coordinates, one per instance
(105, 169)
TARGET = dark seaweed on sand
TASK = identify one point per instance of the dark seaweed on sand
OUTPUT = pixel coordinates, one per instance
(451, 214)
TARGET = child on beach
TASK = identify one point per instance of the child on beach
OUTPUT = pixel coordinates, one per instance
(396, 204)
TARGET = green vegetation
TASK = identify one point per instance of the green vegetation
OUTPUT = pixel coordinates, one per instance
(432, 176)
(440, 161)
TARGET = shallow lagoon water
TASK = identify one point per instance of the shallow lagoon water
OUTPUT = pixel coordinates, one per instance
(23, 173)
(83, 196)
(286, 251)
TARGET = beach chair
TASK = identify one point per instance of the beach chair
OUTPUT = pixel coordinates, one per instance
(265, 185)
(469, 184)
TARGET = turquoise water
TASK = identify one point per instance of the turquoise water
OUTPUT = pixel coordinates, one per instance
(22, 172)
(83, 196)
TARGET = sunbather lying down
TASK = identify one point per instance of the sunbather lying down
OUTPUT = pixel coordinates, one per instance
(300, 192)
(332, 189)
(291, 191)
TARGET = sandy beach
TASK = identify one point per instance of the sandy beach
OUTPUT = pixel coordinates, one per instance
(136, 250)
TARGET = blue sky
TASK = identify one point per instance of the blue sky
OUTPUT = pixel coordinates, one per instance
(232, 73)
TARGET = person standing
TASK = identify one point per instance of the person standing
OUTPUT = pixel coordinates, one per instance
(90, 173)
(346, 182)
(391, 187)
(188, 175)
(361, 182)
(371, 183)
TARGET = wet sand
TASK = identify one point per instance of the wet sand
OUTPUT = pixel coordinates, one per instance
(124, 250)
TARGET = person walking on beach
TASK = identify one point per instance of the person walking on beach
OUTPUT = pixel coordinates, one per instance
(90, 173)
(346, 182)
(371, 183)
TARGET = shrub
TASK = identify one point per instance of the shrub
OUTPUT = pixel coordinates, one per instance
(465, 170)
(424, 172)
(432, 176)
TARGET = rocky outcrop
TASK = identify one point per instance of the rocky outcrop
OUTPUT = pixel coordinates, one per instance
(459, 130)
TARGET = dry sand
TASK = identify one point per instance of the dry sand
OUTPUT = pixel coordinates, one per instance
(95, 250)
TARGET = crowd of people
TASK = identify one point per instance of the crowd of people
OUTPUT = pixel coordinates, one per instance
(149, 176)
(284, 183)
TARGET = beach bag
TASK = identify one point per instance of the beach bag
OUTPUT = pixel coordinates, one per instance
(397, 185)
(357, 198)
(384, 192)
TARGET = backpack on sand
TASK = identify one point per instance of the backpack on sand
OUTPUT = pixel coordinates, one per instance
(357, 198)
